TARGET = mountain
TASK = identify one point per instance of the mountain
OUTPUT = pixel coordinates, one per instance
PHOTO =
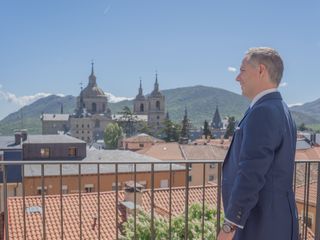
(200, 101)
(311, 109)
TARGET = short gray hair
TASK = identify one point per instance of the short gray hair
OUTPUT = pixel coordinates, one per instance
(270, 58)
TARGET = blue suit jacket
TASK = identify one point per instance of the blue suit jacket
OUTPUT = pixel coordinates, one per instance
(258, 173)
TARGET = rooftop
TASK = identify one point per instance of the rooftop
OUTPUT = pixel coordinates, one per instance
(55, 117)
(8, 142)
(37, 139)
(104, 156)
(312, 193)
(89, 208)
(142, 138)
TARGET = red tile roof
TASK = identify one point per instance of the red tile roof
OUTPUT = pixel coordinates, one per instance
(142, 138)
(164, 151)
(89, 209)
(312, 193)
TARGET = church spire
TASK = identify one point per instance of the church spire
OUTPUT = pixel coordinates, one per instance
(156, 84)
(92, 77)
(92, 71)
(216, 121)
(140, 88)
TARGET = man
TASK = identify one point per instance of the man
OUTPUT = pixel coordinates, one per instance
(257, 178)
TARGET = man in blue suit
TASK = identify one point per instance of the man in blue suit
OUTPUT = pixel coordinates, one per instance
(258, 169)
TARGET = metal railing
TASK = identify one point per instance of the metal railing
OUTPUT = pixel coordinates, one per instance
(308, 177)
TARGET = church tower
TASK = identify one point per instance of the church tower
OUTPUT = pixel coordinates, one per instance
(93, 98)
(216, 120)
(140, 103)
(156, 108)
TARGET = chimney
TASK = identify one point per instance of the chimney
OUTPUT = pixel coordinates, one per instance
(129, 193)
(24, 134)
(17, 137)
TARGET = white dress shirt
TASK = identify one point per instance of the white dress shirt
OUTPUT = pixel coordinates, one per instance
(261, 94)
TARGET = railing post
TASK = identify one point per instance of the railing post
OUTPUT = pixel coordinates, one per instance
(317, 229)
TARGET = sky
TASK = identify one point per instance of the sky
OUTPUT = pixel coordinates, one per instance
(46, 47)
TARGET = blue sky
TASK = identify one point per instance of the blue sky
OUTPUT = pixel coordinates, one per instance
(47, 46)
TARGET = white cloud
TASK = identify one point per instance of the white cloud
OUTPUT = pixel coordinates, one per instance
(295, 104)
(232, 69)
(284, 84)
(114, 99)
(23, 100)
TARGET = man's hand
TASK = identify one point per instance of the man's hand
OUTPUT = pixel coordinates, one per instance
(225, 236)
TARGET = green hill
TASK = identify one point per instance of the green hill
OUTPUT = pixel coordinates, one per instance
(201, 102)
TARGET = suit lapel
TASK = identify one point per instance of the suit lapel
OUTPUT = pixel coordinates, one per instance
(246, 113)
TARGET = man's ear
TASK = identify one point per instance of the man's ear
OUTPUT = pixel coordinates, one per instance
(262, 68)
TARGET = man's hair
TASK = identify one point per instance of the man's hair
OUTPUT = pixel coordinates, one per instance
(270, 58)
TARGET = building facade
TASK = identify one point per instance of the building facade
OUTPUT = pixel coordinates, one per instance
(153, 106)
(92, 113)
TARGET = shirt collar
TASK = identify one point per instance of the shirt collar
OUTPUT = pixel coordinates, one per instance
(261, 94)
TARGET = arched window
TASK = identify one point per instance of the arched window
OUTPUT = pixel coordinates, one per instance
(141, 107)
(103, 107)
(94, 107)
(158, 105)
(97, 123)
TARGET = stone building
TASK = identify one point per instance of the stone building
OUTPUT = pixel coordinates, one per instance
(53, 123)
(92, 113)
(153, 106)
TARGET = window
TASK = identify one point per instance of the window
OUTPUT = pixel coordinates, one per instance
(164, 183)
(77, 125)
(158, 117)
(39, 190)
(72, 151)
(88, 125)
(212, 165)
(88, 188)
(1, 159)
(64, 189)
(94, 107)
(211, 178)
(158, 105)
(141, 145)
(308, 220)
(45, 152)
(97, 123)
(190, 178)
(82, 126)
(141, 107)
(190, 166)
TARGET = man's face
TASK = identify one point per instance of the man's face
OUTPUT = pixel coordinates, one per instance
(248, 78)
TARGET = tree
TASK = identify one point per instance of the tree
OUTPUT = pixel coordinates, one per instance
(206, 130)
(112, 134)
(128, 119)
(302, 127)
(230, 128)
(185, 127)
(171, 131)
(161, 225)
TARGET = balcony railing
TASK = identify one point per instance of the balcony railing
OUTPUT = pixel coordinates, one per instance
(306, 173)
